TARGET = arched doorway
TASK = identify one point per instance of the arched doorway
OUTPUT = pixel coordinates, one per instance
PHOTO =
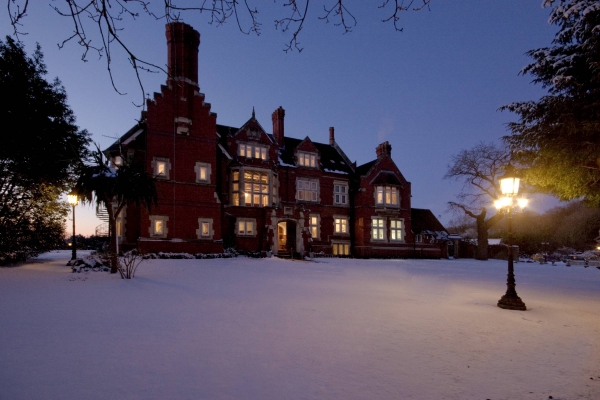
(286, 236)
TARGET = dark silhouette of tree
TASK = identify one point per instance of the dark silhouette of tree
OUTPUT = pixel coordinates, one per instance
(40, 152)
(105, 19)
(114, 188)
(558, 136)
(479, 169)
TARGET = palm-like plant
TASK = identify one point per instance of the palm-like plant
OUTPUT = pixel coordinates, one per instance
(114, 188)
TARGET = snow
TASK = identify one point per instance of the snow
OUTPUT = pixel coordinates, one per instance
(247, 328)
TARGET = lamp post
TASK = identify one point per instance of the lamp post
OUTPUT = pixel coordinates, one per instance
(509, 185)
(73, 199)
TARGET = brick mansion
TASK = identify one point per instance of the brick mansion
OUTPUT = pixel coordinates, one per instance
(256, 189)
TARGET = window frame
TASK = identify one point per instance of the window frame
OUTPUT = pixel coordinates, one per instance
(377, 229)
(200, 232)
(301, 191)
(340, 195)
(245, 222)
(307, 159)
(343, 223)
(397, 230)
(335, 249)
(382, 192)
(156, 163)
(314, 226)
(198, 170)
(154, 219)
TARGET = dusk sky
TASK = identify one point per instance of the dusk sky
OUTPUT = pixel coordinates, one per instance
(430, 91)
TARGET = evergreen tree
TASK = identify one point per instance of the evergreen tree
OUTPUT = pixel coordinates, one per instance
(558, 136)
(41, 149)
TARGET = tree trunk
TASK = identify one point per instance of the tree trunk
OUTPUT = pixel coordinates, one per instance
(482, 238)
(112, 236)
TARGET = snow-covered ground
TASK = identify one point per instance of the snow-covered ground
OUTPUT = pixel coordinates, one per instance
(272, 329)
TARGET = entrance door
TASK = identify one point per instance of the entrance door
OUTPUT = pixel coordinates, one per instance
(286, 236)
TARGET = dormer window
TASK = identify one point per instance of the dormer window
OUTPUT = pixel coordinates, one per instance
(307, 159)
(252, 151)
(387, 196)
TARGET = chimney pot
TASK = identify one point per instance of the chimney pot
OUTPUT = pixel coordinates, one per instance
(331, 135)
(278, 126)
(183, 42)
(384, 149)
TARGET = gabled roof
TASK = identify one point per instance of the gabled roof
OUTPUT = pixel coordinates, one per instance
(364, 169)
(386, 178)
(331, 160)
(130, 135)
(423, 221)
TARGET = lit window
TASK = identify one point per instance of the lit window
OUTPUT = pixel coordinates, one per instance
(202, 172)
(256, 189)
(307, 190)
(378, 229)
(158, 226)
(340, 225)
(161, 167)
(340, 193)
(396, 230)
(314, 226)
(307, 159)
(245, 227)
(249, 151)
(340, 249)
(235, 188)
(204, 230)
(387, 195)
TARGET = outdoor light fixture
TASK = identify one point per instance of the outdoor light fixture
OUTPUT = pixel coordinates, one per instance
(73, 200)
(509, 185)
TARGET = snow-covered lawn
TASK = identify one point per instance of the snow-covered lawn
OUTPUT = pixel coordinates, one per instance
(272, 329)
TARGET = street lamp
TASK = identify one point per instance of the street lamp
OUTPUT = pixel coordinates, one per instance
(73, 199)
(509, 185)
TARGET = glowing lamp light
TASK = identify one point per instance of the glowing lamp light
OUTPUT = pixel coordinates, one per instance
(522, 202)
(509, 183)
(73, 199)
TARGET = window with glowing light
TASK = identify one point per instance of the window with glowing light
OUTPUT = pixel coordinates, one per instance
(396, 230)
(387, 196)
(314, 225)
(378, 229)
(340, 225)
(158, 226)
(340, 249)
(246, 227)
(205, 228)
(256, 189)
(307, 159)
(202, 172)
(161, 167)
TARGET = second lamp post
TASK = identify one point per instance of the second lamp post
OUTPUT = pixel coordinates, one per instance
(509, 185)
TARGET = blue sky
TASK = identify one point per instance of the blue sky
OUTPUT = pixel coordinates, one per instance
(430, 91)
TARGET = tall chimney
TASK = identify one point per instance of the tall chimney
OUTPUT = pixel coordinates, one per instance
(183, 42)
(331, 135)
(277, 117)
(384, 149)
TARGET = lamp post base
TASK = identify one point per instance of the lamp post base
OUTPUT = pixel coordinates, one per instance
(512, 302)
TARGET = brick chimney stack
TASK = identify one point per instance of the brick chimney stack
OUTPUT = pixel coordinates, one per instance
(384, 149)
(183, 42)
(277, 117)
(331, 135)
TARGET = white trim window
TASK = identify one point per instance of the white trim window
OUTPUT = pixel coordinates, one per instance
(307, 190)
(235, 188)
(253, 151)
(340, 225)
(246, 227)
(205, 228)
(256, 189)
(161, 167)
(314, 225)
(377, 229)
(397, 230)
(202, 172)
(158, 226)
(340, 249)
(387, 196)
(340, 193)
(307, 159)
